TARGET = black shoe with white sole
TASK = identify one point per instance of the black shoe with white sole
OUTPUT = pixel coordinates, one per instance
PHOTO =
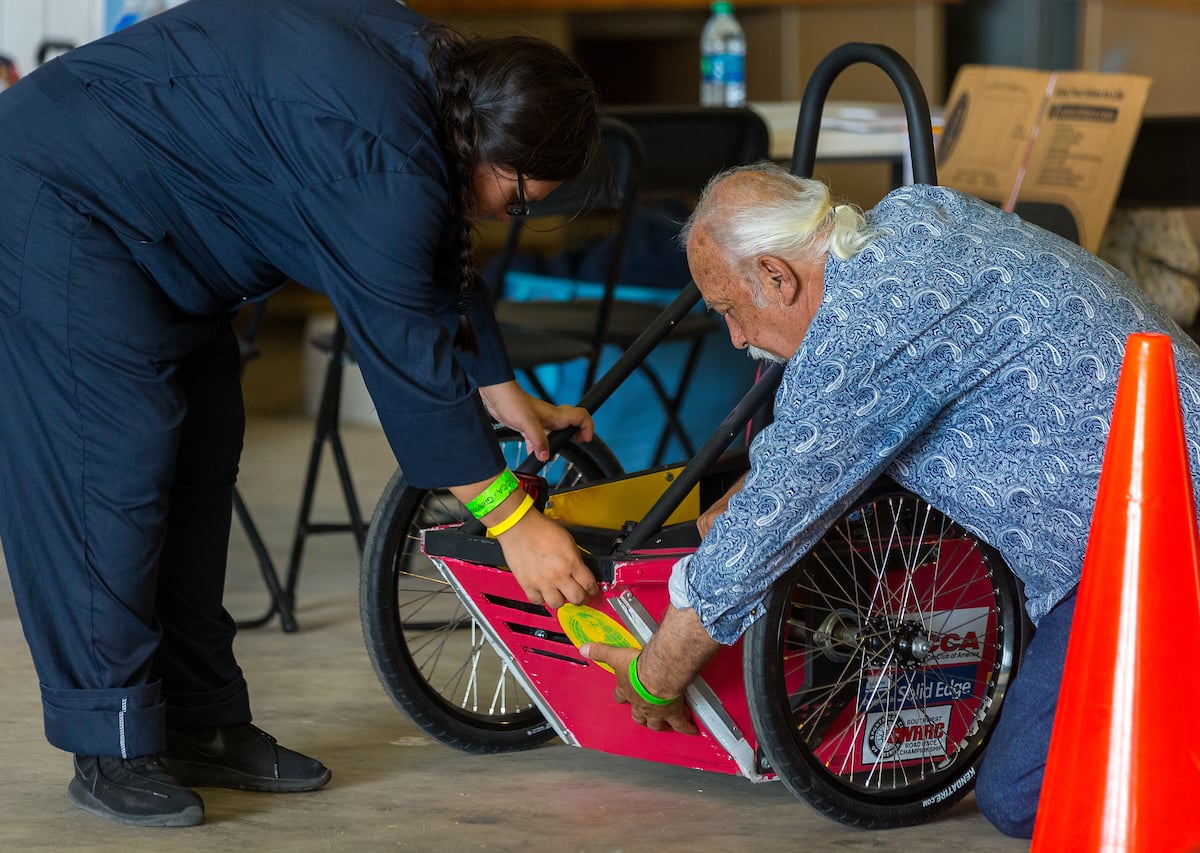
(137, 791)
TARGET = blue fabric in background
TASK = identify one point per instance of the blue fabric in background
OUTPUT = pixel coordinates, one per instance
(653, 257)
(631, 421)
(654, 270)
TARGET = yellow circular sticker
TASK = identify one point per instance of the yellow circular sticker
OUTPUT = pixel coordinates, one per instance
(588, 625)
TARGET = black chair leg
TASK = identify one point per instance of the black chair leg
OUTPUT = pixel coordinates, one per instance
(673, 425)
(325, 432)
(674, 402)
(279, 601)
(302, 520)
(356, 524)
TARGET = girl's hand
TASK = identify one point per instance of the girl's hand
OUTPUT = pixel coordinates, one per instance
(546, 563)
(509, 404)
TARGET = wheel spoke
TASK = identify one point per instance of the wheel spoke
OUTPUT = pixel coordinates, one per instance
(892, 652)
(432, 656)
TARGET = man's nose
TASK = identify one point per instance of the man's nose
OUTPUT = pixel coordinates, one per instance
(735, 336)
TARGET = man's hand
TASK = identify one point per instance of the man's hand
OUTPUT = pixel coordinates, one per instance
(660, 718)
(673, 657)
(512, 406)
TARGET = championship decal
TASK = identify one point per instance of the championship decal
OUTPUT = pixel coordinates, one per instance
(911, 735)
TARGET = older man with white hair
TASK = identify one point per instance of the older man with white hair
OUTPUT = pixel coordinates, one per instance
(968, 355)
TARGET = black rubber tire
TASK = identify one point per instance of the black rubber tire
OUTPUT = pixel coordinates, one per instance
(855, 661)
(426, 648)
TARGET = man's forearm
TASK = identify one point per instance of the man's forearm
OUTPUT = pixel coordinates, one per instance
(675, 654)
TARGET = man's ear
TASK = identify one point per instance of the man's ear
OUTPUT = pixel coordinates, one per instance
(777, 276)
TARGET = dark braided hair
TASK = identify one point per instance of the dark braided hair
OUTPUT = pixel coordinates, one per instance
(516, 102)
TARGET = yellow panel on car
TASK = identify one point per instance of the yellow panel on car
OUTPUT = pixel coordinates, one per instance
(612, 503)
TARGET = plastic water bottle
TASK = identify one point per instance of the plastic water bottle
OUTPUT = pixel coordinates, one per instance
(722, 59)
(132, 11)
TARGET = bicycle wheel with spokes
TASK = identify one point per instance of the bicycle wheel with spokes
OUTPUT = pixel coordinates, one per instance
(430, 654)
(879, 668)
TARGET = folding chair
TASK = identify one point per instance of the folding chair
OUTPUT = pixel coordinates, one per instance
(543, 332)
(280, 603)
(712, 140)
(326, 432)
(683, 147)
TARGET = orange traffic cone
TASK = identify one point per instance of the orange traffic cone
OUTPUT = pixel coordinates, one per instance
(1123, 771)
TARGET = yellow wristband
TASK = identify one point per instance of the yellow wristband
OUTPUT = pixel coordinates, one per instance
(516, 516)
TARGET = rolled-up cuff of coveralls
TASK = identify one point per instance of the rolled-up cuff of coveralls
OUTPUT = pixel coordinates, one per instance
(128, 722)
(229, 706)
(449, 447)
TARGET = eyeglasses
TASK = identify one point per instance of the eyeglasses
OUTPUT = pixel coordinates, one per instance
(520, 207)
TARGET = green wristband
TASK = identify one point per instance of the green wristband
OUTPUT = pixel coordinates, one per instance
(642, 691)
(491, 497)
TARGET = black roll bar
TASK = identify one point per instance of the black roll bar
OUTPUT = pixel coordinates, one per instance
(920, 138)
(916, 108)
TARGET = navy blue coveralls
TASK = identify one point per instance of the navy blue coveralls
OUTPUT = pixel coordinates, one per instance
(152, 182)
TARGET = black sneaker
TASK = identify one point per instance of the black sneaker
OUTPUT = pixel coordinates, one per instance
(243, 757)
(138, 791)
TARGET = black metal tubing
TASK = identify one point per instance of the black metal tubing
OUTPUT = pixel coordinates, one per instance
(920, 136)
(734, 423)
(916, 107)
(604, 387)
(624, 366)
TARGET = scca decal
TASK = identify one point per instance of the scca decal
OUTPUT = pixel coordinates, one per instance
(958, 636)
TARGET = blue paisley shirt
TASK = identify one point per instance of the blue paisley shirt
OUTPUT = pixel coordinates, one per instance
(970, 356)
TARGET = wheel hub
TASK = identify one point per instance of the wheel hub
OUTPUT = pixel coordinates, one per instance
(913, 644)
(839, 635)
(843, 633)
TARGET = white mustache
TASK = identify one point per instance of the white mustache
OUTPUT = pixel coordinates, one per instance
(762, 355)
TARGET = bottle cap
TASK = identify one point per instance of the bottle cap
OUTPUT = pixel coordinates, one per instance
(724, 7)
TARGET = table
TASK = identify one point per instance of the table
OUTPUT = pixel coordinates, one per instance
(850, 131)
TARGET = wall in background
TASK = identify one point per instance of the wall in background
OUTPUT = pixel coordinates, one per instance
(1021, 33)
(1153, 37)
(25, 25)
(1157, 39)
(645, 54)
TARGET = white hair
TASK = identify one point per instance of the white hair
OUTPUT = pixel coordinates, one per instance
(769, 211)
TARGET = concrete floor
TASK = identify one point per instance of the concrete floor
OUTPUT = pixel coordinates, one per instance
(392, 786)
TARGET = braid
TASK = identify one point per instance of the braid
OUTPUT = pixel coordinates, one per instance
(516, 103)
(459, 134)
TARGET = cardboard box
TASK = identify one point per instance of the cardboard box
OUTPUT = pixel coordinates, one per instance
(1051, 145)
